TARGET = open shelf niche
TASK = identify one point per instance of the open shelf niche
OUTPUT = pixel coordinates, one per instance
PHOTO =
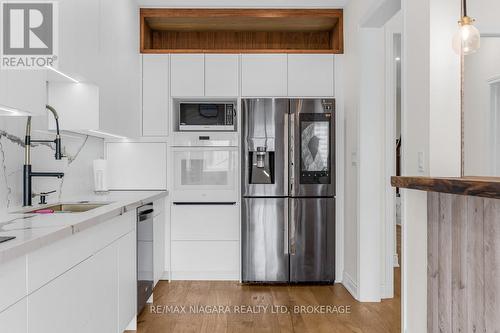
(165, 30)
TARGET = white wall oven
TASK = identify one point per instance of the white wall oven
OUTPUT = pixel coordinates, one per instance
(205, 174)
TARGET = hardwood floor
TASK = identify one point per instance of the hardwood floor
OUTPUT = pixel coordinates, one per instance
(169, 298)
(381, 317)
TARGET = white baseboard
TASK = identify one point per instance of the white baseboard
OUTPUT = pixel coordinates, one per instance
(132, 326)
(165, 276)
(350, 285)
(206, 275)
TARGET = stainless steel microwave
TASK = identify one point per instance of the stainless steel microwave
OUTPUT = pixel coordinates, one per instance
(211, 116)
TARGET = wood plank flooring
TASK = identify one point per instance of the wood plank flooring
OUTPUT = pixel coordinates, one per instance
(384, 317)
(381, 317)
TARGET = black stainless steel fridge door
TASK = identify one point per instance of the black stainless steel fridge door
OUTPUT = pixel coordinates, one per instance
(312, 148)
(312, 240)
(265, 240)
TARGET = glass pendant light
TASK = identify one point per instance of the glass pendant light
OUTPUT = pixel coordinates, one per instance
(467, 39)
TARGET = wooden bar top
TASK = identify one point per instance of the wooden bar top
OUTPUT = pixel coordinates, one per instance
(487, 187)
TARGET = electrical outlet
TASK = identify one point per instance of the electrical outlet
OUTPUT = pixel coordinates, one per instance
(354, 158)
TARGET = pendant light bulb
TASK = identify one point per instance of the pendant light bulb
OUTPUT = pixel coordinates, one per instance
(467, 39)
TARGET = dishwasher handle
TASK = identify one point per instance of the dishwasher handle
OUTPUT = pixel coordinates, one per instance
(146, 215)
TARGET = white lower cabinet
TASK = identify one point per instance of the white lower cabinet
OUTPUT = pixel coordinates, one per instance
(205, 260)
(63, 304)
(127, 283)
(15, 318)
(205, 242)
(96, 295)
(104, 290)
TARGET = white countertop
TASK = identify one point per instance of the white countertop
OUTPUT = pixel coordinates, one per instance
(33, 231)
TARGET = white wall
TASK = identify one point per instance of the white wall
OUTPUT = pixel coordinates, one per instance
(371, 162)
(431, 125)
(479, 68)
(486, 14)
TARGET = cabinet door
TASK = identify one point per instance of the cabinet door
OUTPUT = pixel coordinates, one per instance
(24, 90)
(104, 283)
(119, 63)
(310, 75)
(264, 75)
(15, 319)
(187, 75)
(221, 75)
(159, 246)
(63, 305)
(4, 83)
(127, 283)
(155, 91)
(205, 260)
(205, 222)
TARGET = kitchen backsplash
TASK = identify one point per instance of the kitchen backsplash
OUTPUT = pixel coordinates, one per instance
(80, 150)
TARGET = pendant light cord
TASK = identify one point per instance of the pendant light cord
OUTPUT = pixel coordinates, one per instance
(464, 8)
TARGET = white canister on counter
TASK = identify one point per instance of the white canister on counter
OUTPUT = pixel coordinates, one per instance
(100, 178)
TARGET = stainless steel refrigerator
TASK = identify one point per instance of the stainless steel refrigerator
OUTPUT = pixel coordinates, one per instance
(288, 190)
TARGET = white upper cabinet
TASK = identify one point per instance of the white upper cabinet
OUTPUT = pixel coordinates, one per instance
(264, 75)
(76, 104)
(99, 45)
(22, 92)
(310, 75)
(187, 77)
(119, 65)
(155, 93)
(221, 75)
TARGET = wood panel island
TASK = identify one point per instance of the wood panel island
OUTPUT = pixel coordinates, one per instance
(463, 252)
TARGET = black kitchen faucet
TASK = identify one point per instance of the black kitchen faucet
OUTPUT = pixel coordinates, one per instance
(27, 173)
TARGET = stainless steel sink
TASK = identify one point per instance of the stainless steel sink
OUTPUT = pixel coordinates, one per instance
(66, 208)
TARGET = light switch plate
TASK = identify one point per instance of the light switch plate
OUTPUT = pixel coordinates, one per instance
(421, 162)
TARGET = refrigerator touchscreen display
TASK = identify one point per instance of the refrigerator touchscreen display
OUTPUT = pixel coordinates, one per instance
(315, 149)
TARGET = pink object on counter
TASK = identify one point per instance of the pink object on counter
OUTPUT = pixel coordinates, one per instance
(44, 211)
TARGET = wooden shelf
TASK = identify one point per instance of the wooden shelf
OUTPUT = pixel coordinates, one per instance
(242, 30)
(488, 187)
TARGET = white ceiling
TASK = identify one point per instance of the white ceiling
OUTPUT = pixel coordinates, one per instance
(244, 3)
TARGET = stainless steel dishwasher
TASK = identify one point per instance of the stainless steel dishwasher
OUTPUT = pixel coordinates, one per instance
(145, 273)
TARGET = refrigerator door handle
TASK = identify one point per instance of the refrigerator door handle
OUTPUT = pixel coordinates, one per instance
(286, 235)
(292, 229)
(286, 151)
(291, 153)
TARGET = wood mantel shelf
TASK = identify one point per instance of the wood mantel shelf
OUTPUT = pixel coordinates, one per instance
(487, 187)
(177, 30)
